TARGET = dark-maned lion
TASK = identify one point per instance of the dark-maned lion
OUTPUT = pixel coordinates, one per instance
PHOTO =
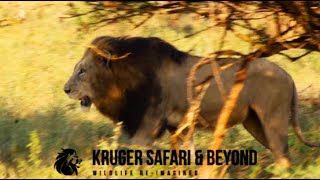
(146, 89)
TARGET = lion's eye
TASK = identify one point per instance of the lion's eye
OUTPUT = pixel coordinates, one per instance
(81, 72)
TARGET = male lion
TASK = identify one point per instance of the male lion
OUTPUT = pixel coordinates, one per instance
(142, 82)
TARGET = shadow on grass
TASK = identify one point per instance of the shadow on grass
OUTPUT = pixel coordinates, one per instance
(55, 131)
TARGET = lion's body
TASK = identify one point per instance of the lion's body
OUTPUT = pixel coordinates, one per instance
(264, 105)
(147, 91)
(266, 83)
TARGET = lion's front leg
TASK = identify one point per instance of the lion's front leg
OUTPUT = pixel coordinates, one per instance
(152, 127)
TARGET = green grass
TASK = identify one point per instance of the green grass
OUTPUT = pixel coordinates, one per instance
(37, 119)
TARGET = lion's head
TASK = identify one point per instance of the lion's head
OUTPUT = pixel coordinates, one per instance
(90, 77)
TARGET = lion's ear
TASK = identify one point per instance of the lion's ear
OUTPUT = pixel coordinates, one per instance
(101, 52)
(107, 61)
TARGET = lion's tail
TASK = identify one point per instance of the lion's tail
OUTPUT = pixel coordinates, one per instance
(295, 121)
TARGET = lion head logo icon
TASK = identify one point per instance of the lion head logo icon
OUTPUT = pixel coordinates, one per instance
(67, 162)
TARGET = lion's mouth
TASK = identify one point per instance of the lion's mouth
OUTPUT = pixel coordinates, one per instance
(85, 103)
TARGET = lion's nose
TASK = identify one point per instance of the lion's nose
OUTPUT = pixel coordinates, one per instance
(67, 90)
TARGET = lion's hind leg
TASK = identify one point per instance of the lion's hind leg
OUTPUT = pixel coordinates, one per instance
(254, 127)
(274, 124)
